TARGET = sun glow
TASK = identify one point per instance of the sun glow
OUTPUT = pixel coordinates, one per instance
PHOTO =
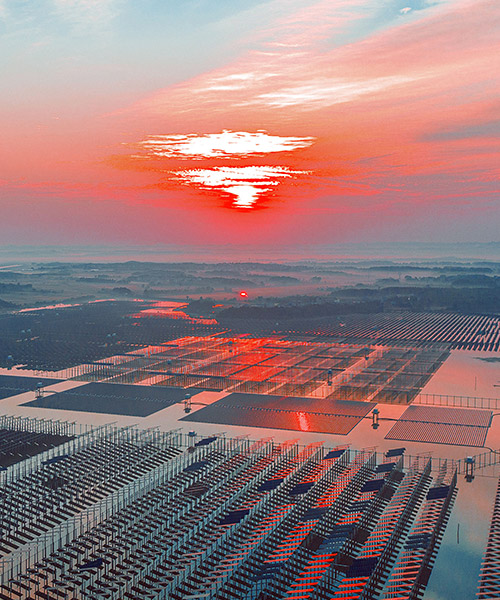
(245, 184)
(228, 144)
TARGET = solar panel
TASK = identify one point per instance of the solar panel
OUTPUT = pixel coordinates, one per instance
(283, 412)
(438, 492)
(301, 488)
(315, 513)
(372, 485)
(54, 459)
(385, 467)
(206, 441)
(270, 484)
(12, 385)
(234, 516)
(362, 567)
(448, 415)
(438, 433)
(395, 452)
(115, 398)
(415, 542)
(196, 466)
(334, 454)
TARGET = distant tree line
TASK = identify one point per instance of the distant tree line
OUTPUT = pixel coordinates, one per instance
(351, 301)
(304, 311)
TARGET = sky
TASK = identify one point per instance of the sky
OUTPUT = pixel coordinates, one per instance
(271, 122)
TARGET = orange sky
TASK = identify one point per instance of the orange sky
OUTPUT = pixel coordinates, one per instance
(295, 121)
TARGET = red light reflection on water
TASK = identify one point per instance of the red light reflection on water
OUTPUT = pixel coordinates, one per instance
(303, 421)
(172, 310)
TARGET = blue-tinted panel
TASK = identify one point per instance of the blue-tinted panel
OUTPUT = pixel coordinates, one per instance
(196, 466)
(385, 467)
(395, 452)
(234, 516)
(438, 492)
(315, 513)
(415, 542)
(55, 459)
(363, 567)
(301, 488)
(372, 485)
(269, 485)
(334, 454)
(206, 441)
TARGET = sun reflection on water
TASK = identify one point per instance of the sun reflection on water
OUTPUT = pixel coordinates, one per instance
(303, 421)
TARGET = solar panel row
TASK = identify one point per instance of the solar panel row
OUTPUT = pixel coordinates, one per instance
(438, 433)
(138, 401)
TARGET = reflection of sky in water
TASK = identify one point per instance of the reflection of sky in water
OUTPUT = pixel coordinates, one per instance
(465, 373)
(455, 575)
(171, 310)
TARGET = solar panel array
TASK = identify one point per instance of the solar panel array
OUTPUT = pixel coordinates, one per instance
(56, 339)
(466, 332)
(439, 425)
(411, 573)
(281, 412)
(119, 399)
(274, 366)
(22, 438)
(12, 385)
(128, 514)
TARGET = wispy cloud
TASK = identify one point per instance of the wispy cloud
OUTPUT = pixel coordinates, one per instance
(311, 23)
(485, 130)
(327, 92)
(227, 144)
(299, 61)
(87, 12)
(234, 82)
(405, 90)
